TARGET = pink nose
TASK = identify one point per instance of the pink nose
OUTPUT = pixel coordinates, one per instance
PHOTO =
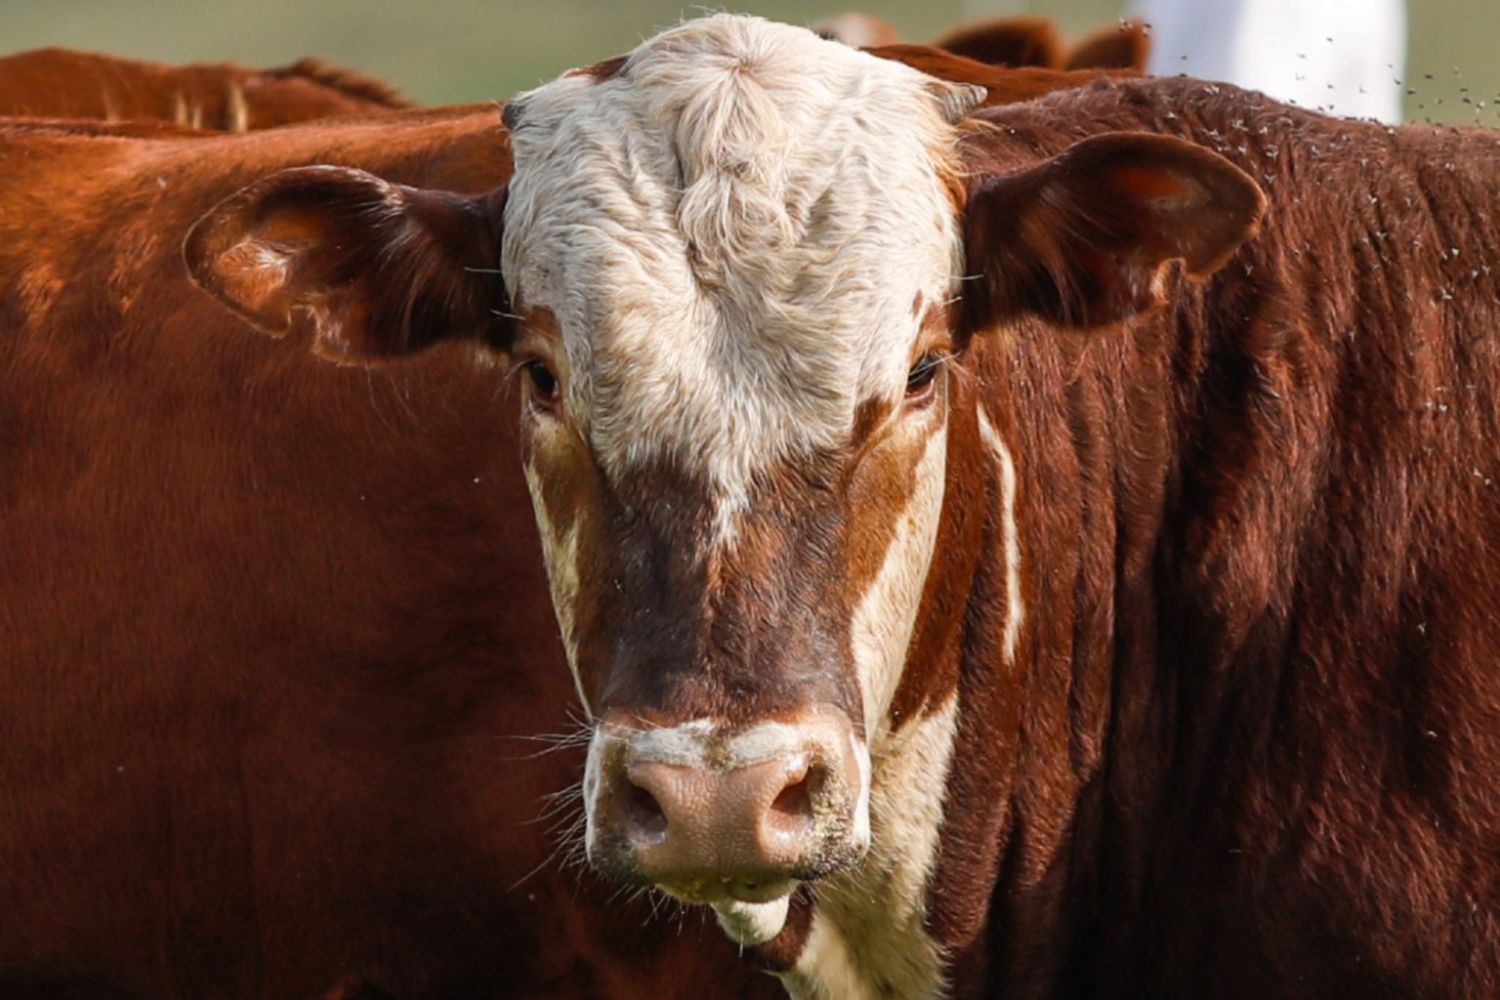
(757, 821)
(702, 830)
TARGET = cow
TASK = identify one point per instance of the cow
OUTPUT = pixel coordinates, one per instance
(1001, 84)
(286, 712)
(1052, 551)
(63, 83)
(1009, 41)
(1034, 41)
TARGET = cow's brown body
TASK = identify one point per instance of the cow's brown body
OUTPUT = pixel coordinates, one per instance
(62, 83)
(277, 644)
(1251, 747)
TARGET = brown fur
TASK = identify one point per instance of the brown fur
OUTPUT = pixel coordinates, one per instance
(1005, 41)
(1250, 749)
(1004, 85)
(1126, 45)
(61, 83)
(350, 82)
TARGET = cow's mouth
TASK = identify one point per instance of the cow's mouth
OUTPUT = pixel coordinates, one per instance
(751, 912)
(753, 923)
(733, 818)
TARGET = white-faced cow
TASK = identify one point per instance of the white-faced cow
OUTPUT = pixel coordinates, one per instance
(998, 553)
(276, 647)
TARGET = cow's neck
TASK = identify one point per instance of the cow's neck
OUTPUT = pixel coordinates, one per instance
(1085, 426)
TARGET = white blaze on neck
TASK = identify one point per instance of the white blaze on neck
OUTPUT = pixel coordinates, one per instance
(1015, 610)
(560, 556)
(886, 614)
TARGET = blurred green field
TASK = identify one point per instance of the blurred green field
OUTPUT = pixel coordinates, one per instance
(462, 50)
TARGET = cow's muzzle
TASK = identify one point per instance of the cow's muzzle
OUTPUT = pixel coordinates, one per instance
(731, 817)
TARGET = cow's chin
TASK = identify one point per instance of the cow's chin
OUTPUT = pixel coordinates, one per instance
(750, 913)
(751, 924)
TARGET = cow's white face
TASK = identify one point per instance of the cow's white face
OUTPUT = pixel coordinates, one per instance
(733, 253)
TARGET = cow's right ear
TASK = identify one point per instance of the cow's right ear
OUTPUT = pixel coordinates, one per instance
(380, 270)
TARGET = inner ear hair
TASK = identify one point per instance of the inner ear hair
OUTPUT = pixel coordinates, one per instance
(378, 269)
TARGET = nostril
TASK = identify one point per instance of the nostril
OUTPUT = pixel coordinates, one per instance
(792, 809)
(644, 819)
(794, 800)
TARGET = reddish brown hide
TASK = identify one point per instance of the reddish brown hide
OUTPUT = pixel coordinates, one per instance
(1003, 85)
(1250, 748)
(62, 83)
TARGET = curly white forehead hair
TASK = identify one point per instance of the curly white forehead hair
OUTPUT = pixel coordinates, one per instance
(731, 231)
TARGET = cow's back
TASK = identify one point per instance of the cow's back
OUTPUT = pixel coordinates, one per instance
(63, 83)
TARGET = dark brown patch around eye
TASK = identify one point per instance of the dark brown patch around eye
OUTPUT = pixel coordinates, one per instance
(546, 391)
(920, 379)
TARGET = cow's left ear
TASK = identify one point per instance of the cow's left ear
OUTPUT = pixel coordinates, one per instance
(1083, 239)
(379, 269)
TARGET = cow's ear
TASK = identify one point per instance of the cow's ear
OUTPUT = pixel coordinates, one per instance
(379, 269)
(1083, 239)
(1126, 45)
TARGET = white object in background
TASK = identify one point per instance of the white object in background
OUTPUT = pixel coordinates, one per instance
(1342, 56)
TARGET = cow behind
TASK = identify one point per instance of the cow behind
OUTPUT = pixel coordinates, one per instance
(62, 83)
(1013, 42)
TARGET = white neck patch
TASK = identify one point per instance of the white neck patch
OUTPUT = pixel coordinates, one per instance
(732, 232)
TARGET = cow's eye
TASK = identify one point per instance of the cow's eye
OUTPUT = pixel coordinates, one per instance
(545, 389)
(919, 380)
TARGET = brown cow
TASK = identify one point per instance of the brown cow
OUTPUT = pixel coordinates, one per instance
(1034, 41)
(1118, 622)
(62, 83)
(278, 658)
(1009, 41)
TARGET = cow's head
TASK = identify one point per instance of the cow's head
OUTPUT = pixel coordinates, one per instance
(733, 262)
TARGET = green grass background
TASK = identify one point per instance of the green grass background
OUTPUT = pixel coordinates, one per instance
(462, 50)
